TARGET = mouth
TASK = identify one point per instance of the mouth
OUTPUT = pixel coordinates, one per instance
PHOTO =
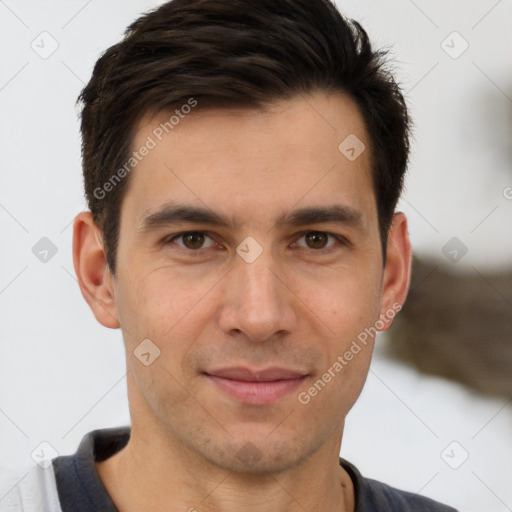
(256, 387)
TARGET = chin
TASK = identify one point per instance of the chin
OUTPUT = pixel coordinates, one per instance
(257, 455)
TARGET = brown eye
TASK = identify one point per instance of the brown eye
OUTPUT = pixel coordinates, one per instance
(320, 241)
(316, 239)
(192, 240)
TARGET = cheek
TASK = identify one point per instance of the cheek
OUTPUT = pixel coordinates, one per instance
(170, 313)
(348, 308)
(158, 301)
(345, 301)
(169, 309)
(339, 382)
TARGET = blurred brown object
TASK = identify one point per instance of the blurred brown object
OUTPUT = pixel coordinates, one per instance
(457, 325)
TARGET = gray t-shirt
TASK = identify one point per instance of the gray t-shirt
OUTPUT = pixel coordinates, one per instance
(72, 484)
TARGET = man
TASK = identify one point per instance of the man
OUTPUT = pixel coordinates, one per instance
(242, 164)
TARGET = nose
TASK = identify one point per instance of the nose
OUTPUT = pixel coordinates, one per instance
(258, 301)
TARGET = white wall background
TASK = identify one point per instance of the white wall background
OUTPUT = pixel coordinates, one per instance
(62, 374)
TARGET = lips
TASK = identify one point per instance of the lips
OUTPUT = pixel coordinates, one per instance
(267, 375)
(256, 387)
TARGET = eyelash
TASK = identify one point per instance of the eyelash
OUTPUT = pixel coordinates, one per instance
(342, 241)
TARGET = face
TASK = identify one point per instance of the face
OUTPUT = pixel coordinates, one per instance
(254, 288)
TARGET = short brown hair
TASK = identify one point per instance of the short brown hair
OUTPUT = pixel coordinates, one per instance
(235, 53)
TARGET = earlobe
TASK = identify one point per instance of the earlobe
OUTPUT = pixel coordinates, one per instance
(93, 273)
(397, 271)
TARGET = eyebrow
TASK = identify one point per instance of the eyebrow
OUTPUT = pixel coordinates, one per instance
(178, 213)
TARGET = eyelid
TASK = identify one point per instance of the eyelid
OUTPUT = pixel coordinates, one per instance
(171, 238)
(339, 238)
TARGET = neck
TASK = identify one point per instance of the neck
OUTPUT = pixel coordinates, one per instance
(152, 472)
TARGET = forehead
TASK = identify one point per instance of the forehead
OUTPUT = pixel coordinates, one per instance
(253, 163)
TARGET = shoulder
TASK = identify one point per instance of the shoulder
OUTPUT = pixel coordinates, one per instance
(380, 496)
(32, 490)
(375, 496)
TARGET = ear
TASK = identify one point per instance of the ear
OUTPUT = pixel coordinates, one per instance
(94, 277)
(397, 270)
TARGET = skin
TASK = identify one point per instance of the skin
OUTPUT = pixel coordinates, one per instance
(298, 305)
